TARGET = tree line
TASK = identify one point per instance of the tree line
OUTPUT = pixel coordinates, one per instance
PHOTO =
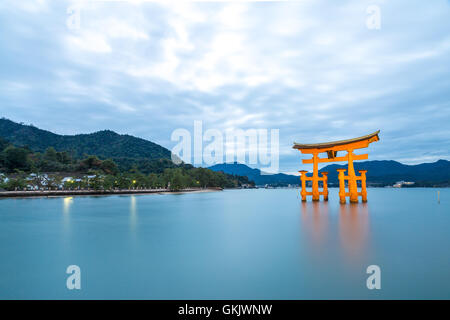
(90, 172)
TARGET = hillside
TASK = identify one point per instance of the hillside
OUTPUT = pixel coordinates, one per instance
(255, 174)
(389, 171)
(104, 144)
(35, 159)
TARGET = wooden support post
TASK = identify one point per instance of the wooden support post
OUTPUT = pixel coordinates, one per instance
(315, 180)
(352, 185)
(303, 180)
(325, 185)
(363, 185)
(341, 177)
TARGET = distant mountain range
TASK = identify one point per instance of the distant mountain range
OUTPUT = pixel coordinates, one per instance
(104, 144)
(385, 172)
(255, 174)
(389, 171)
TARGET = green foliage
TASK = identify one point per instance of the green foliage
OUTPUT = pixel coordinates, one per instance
(103, 144)
(54, 182)
(50, 154)
(109, 167)
(15, 184)
(173, 179)
(109, 182)
(161, 173)
(146, 165)
(16, 158)
(3, 144)
(116, 161)
(96, 183)
(91, 162)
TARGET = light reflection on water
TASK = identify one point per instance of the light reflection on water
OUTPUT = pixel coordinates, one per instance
(133, 213)
(336, 234)
(315, 221)
(354, 228)
(353, 222)
(67, 203)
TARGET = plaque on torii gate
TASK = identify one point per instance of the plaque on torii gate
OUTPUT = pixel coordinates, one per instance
(331, 149)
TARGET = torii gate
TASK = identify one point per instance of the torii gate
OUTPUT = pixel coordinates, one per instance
(332, 148)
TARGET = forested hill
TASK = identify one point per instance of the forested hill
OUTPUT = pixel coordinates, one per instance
(256, 175)
(389, 171)
(104, 144)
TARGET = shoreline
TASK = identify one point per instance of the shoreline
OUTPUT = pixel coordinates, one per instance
(63, 193)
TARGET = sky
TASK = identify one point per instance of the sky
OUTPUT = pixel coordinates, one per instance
(315, 70)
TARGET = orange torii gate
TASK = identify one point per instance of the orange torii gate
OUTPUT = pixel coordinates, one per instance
(332, 148)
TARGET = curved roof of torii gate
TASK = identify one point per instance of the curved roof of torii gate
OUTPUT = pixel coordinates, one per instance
(333, 143)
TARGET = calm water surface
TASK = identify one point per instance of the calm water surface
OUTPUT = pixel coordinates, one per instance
(237, 244)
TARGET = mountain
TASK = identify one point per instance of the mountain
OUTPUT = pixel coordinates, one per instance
(255, 174)
(389, 171)
(385, 172)
(104, 144)
(128, 151)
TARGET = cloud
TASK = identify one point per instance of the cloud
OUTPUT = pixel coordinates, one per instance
(90, 42)
(309, 68)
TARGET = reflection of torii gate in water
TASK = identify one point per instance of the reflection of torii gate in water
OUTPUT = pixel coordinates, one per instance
(332, 148)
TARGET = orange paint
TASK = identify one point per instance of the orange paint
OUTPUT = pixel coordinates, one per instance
(331, 149)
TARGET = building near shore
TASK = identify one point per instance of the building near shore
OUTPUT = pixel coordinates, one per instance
(400, 184)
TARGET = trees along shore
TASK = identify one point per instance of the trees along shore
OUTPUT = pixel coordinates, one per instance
(23, 169)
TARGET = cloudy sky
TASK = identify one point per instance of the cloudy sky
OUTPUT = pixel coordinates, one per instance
(315, 70)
